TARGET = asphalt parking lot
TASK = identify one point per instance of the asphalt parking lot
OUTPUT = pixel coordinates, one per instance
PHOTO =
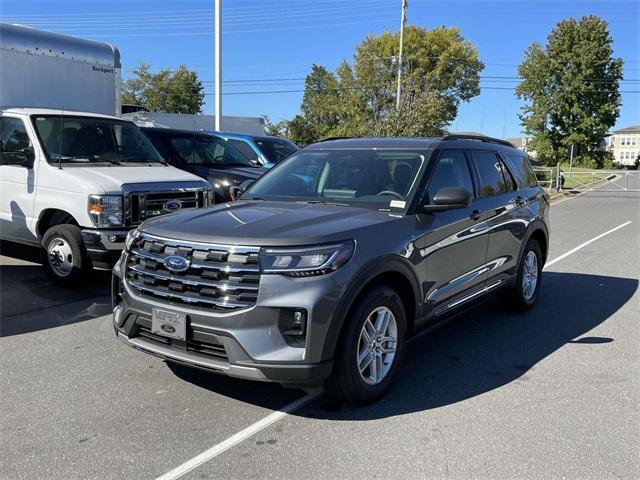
(552, 393)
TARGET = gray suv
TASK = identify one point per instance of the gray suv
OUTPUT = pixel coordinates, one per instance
(331, 260)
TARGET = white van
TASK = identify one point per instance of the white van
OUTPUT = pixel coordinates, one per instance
(75, 182)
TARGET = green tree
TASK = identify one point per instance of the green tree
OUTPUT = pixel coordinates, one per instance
(571, 90)
(440, 70)
(279, 129)
(177, 91)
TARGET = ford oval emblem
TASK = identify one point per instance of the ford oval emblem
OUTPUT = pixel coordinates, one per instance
(176, 264)
(172, 205)
(168, 328)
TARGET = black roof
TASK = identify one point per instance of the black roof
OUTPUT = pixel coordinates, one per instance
(417, 143)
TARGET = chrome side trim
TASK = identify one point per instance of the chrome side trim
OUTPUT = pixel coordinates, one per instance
(470, 297)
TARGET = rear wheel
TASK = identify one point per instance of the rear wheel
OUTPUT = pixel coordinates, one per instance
(64, 254)
(524, 294)
(370, 349)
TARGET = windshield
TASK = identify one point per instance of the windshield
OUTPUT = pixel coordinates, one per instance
(377, 179)
(275, 150)
(210, 151)
(86, 140)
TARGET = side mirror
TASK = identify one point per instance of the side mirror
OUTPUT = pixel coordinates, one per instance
(449, 198)
(23, 157)
(236, 191)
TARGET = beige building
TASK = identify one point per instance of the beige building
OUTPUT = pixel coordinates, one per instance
(624, 144)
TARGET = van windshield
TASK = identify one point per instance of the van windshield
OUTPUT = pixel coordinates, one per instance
(375, 179)
(87, 140)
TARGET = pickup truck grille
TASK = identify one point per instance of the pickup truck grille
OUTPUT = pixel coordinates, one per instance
(140, 206)
(218, 277)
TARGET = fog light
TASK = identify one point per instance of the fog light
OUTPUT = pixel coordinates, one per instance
(112, 238)
(298, 325)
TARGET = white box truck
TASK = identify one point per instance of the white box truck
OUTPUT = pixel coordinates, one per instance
(74, 178)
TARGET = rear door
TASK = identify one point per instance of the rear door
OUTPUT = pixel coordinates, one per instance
(506, 221)
(454, 245)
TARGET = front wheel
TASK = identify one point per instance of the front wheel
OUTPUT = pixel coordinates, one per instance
(64, 254)
(370, 349)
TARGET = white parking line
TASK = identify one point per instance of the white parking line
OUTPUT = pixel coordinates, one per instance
(251, 430)
(581, 246)
(235, 439)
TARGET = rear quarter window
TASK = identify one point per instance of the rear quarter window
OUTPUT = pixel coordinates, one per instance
(523, 169)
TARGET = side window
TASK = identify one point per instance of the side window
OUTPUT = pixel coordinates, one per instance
(244, 148)
(13, 134)
(492, 174)
(451, 170)
(521, 162)
(162, 149)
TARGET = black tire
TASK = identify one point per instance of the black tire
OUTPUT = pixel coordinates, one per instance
(516, 297)
(78, 254)
(346, 382)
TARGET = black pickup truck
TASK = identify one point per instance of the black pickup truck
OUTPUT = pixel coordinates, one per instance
(205, 155)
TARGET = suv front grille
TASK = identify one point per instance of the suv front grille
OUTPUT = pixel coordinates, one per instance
(143, 205)
(219, 277)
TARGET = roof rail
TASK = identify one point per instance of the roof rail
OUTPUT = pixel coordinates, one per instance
(328, 139)
(480, 138)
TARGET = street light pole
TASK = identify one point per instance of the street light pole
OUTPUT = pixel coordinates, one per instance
(218, 63)
(403, 20)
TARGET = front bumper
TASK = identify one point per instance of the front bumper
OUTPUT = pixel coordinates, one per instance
(103, 246)
(246, 343)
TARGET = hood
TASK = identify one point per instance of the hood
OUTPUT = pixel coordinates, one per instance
(266, 223)
(111, 179)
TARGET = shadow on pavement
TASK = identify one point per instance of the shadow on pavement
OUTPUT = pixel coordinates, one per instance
(484, 349)
(30, 302)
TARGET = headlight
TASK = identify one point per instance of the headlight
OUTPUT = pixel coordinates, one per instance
(306, 261)
(105, 210)
(132, 236)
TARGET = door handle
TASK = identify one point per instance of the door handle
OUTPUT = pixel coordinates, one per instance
(520, 201)
(475, 215)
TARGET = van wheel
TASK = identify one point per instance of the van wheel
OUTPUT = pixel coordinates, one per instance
(64, 254)
(370, 349)
(525, 292)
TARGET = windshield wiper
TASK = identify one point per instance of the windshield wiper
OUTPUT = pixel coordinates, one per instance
(323, 202)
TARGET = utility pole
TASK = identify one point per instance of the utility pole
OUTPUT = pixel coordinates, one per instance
(403, 21)
(218, 63)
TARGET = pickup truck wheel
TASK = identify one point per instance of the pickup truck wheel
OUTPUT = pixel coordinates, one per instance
(371, 348)
(64, 254)
(524, 293)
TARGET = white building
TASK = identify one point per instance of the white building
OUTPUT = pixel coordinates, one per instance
(624, 144)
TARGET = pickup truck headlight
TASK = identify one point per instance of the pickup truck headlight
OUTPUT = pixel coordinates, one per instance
(105, 210)
(306, 261)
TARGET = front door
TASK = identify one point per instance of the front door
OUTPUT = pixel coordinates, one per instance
(17, 184)
(453, 248)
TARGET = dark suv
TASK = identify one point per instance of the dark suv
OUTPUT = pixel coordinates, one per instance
(333, 258)
(207, 156)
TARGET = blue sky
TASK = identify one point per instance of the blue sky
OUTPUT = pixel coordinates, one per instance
(269, 45)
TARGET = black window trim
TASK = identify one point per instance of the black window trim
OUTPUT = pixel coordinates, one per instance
(500, 158)
(436, 156)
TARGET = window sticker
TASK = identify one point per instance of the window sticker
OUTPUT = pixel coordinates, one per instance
(397, 203)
